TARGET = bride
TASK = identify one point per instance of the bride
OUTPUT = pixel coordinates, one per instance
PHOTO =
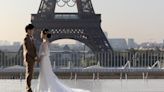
(47, 80)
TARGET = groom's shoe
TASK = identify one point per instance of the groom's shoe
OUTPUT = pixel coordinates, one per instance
(29, 90)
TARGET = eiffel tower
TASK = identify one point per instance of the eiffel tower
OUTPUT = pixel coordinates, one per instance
(84, 26)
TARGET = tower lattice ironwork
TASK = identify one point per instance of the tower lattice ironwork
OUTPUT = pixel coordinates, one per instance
(84, 26)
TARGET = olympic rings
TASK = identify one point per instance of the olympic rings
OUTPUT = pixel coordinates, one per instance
(62, 3)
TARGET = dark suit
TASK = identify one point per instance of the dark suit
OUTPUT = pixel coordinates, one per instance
(29, 52)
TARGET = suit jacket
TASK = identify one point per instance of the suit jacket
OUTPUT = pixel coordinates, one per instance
(29, 50)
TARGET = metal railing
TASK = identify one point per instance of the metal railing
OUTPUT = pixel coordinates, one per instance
(140, 59)
(75, 64)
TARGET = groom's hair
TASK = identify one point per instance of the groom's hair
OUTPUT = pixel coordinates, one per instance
(29, 27)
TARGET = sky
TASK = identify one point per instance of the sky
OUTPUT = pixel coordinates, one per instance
(142, 20)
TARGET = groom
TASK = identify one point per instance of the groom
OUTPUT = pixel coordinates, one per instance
(30, 55)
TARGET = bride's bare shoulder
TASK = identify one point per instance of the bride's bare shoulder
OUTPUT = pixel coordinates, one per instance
(44, 44)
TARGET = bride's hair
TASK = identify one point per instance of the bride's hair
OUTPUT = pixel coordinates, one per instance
(46, 32)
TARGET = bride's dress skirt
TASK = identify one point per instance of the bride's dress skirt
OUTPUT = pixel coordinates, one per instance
(48, 81)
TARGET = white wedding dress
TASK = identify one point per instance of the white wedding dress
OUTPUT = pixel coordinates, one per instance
(47, 80)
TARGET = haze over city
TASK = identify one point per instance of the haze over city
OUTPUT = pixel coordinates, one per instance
(139, 19)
